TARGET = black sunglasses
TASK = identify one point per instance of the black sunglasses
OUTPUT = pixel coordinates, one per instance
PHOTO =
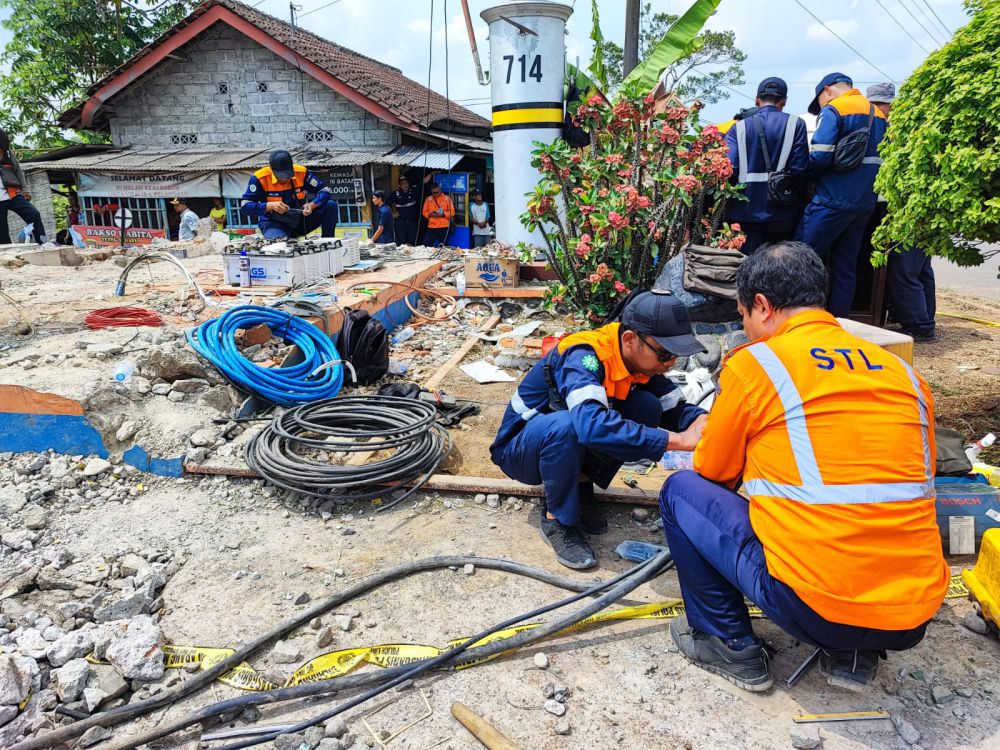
(661, 354)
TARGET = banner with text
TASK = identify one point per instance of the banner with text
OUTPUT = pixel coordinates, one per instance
(148, 185)
(113, 235)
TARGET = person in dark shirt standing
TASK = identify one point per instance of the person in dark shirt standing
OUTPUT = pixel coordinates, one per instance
(405, 202)
(382, 220)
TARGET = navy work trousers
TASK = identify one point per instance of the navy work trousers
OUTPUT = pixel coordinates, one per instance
(546, 451)
(761, 233)
(406, 231)
(910, 283)
(836, 236)
(720, 559)
(436, 237)
(28, 213)
(325, 216)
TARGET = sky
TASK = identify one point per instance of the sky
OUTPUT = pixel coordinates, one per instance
(779, 37)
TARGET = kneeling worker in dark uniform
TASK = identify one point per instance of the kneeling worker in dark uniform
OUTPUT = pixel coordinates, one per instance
(596, 401)
(279, 196)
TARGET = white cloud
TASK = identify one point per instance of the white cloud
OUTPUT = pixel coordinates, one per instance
(819, 33)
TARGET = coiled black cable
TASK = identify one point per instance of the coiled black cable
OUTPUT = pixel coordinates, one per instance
(352, 424)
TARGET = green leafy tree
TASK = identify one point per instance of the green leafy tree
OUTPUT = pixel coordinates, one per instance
(713, 63)
(62, 47)
(941, 161)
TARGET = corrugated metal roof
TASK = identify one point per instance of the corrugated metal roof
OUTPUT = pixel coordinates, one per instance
(148, 160)
(474, 144)
(431, 158)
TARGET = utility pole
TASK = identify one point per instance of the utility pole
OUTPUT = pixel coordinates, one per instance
(631, 57)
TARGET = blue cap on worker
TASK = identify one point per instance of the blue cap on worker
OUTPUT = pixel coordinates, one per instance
(828, 80)
(281, 164)
(773, 86)
(662, 316)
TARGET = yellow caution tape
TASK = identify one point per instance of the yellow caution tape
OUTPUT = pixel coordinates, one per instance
(339, 663)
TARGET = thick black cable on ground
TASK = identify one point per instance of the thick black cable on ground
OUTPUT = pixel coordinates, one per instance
(405, 426)
(619, 587)
(203, 679)
(388, 678)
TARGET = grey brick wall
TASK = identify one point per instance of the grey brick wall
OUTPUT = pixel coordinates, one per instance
(41, 198)
(183, 97)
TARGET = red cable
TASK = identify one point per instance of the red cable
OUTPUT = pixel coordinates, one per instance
(111, 317)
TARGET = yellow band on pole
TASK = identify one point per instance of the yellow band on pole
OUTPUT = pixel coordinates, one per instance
(528, 115)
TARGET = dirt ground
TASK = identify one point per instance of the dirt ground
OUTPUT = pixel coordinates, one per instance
(628, 686)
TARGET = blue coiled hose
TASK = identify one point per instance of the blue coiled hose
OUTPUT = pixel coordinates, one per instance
(286, 386)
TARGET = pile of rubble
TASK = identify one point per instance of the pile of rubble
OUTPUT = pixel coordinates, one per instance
(76, 636)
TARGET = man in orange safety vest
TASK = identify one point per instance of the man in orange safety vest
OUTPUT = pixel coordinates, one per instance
(832, 439)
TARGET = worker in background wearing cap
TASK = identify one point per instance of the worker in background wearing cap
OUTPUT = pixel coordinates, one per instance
(832, 439)
(288, 200)
(909, 275)
(188, 227)
(761, 217)
(834, 221)
(596, 401)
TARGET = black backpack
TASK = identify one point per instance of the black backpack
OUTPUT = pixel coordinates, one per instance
(851, 149)
(364, 343)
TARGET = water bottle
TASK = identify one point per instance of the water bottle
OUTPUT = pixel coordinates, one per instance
(638, 552)
(123, 370)
(397, 368)
(460, 283)
(404, 334)
(676, 460)
(245, 279)
(972, 451)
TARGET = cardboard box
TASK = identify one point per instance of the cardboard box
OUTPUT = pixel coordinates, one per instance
(483, 271)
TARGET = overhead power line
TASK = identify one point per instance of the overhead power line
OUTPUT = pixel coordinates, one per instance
(900, 25)
(327, 5)
(920, 23)
(846, 43)
(934, 13)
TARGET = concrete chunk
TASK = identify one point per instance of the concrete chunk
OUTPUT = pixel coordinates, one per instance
(135, 650)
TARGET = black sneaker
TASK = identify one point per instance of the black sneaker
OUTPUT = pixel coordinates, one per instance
(592, 518)
(852, 670)
(747, 668)
(571, 547)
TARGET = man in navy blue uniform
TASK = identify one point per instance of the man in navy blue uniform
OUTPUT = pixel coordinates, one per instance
(761, 218)
(909, 278)
(596, 401)
(288, 200)
(405, 204)
(834, 222)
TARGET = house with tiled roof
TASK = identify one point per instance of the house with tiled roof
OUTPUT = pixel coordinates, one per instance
(202, 106)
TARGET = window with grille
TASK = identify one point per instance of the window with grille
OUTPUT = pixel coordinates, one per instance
(235, 218)
(147, 213)
(184, 139)
(223, 88)
(261, 87)
(320, 136)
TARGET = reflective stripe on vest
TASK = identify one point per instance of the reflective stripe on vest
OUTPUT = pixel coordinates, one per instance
(746, 176)
(811, 489)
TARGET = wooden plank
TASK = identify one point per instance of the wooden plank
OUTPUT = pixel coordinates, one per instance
(517, 292)
(459, 354)
(487, 485)
(463, 484)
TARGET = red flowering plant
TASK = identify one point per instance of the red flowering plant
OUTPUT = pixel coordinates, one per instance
(612, 213)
